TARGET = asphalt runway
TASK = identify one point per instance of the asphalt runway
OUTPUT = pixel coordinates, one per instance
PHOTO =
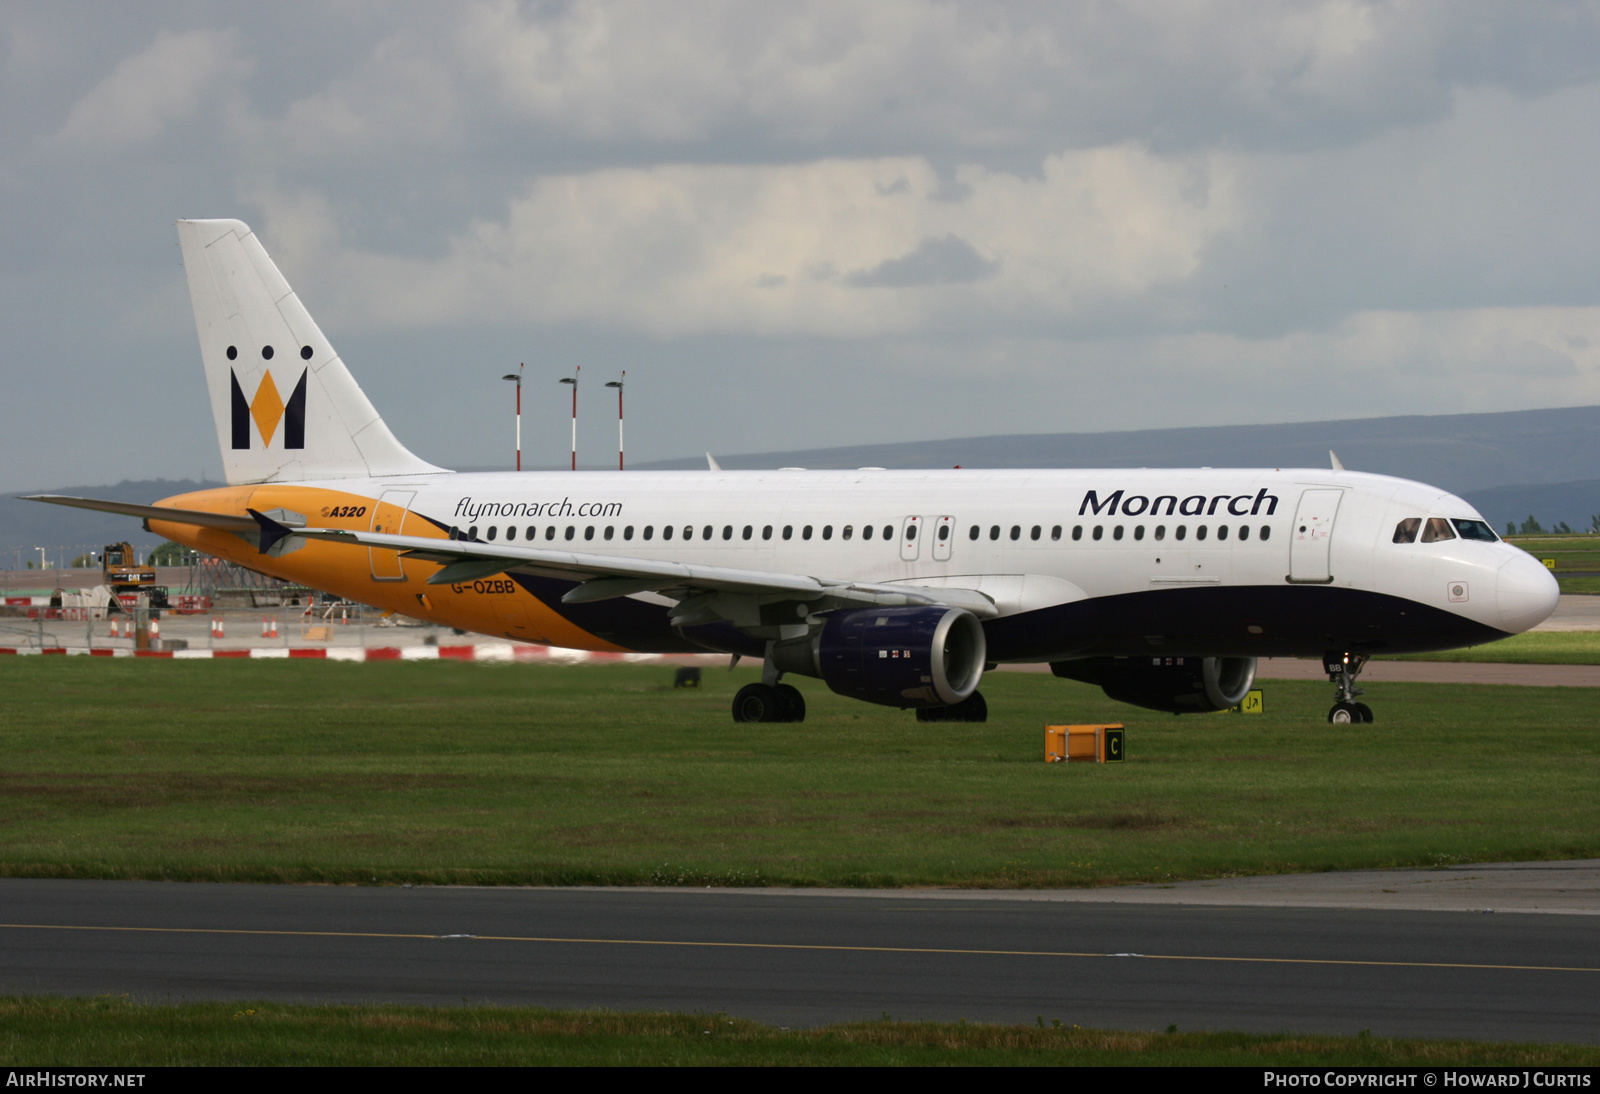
(795, 959)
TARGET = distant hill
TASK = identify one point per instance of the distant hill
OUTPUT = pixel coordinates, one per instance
(1576, 503)
(1509, 465)
(1459, 452)
(28, 524)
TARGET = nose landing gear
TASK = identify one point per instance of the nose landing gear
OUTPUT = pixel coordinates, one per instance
(1342, 670)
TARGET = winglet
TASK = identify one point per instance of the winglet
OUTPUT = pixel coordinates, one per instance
(1333, 458)
(271, 531)
(711, 462)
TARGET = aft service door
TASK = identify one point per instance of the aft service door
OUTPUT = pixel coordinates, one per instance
(1311, 537)
(944, 531)
(389, 517)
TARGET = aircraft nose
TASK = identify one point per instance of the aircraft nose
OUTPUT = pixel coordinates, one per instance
(1527, 593)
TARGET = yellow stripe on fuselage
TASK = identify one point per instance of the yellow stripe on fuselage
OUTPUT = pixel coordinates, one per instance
(494, 607)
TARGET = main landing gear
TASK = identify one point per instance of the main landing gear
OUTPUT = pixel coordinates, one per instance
(1342, 670)
(970, 709)
(769, 703)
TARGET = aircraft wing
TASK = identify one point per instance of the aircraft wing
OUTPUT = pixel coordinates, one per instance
(603, 577)
(228, 522)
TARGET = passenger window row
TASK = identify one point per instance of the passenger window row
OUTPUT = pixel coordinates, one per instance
(1438, 528)
(1181, 531)
(709, 531)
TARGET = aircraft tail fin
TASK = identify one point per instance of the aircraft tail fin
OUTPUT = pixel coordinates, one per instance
(285, 406)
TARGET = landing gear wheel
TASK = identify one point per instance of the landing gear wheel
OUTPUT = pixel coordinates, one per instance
(759, 703)
(932, 714)
(1349, 714)
(794, 703)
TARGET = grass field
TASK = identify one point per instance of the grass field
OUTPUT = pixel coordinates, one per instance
(116, 1032)
(1570, 553)
(1532, 648)
(449, 772)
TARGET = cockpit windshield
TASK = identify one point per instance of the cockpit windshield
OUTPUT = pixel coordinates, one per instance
(1476, 529)
(1437, 529)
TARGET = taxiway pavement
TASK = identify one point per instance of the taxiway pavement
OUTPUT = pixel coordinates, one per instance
(1141, 960)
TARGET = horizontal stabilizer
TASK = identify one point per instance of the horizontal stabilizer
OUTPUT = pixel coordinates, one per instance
(224, 521)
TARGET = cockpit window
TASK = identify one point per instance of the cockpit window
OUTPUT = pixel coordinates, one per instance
(1406, 530)
(1437, 529)
(1475, 529)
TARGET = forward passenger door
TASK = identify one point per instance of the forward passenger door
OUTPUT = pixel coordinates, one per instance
(1313, 537)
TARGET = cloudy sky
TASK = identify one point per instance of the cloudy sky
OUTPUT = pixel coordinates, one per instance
(802, 224)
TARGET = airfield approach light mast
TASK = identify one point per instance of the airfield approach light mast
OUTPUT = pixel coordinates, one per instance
(573, 380)
(516, 377)
(618, 385)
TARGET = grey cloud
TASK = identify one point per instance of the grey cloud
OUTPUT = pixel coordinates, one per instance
(947, 261)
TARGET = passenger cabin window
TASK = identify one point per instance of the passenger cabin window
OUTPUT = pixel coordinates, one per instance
(1016, 531)
(788, 531)
(1244, 531)
(866, 531)
(1077, 531)
(1161, 531)
(1266, 531)
(827, 531)
(848, 531)
(1138, 531)
(727, 531)
(1437, 529)
(588, 533)
(1222, 531)
(1476, 529)
(688, 531)
(472, 533)
(666, 531)
(747, 531)
(994, 531)
(1098, 531)
(610, 531)
(572, 531)
(1406, 530)
(1183, 530)
(705, 533)
(649, 530)
(888, 532)
(492, 531)
(1200, 532)
(973, 532)
(533, 533)
(805, 533)
(1055, 533)
(766, 531)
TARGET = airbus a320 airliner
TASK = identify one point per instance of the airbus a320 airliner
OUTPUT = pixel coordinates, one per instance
(1162, 586)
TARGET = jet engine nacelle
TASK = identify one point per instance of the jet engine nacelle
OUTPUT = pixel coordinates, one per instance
(1177, 684)
(928, 656)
